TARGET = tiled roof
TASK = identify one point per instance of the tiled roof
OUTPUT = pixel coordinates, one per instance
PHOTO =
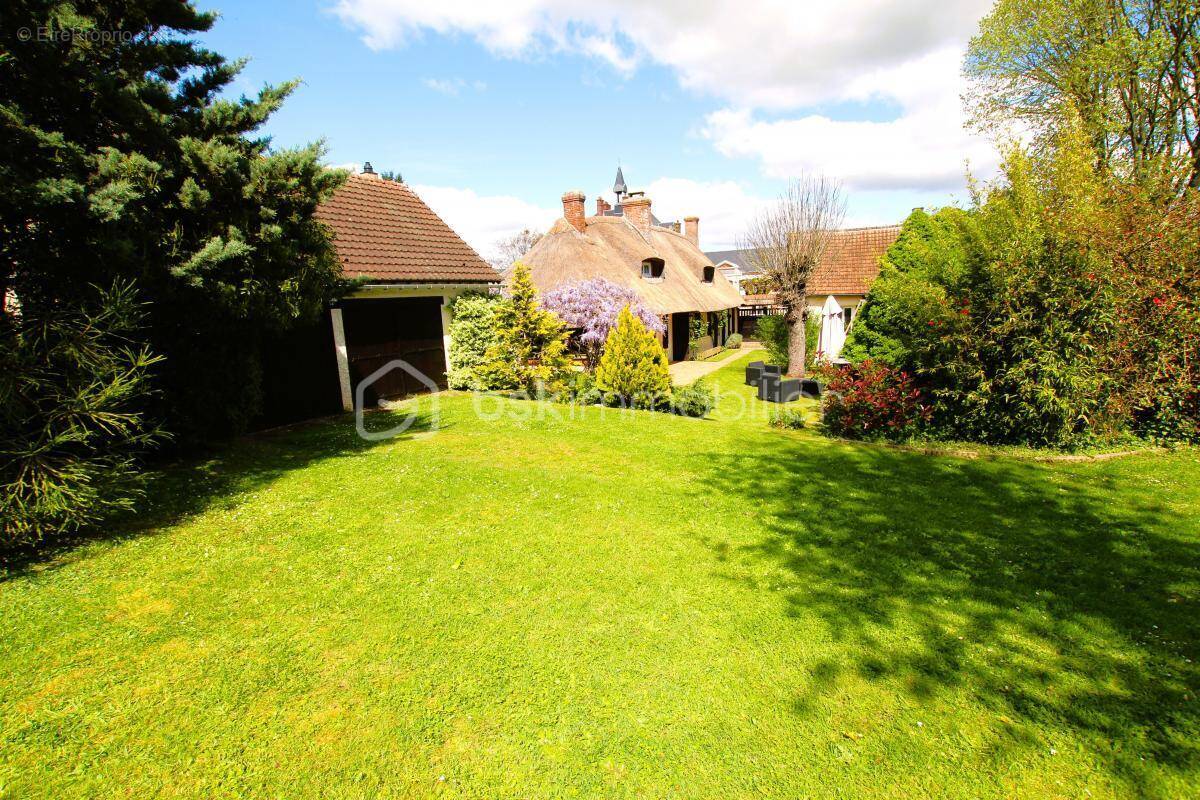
(383, 231)
(850, 265)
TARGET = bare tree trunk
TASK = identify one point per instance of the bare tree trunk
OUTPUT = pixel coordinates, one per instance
(797, 338)
(787, 241)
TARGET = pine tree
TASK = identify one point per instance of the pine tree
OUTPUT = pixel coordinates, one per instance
(531, 349)
(72, 421)
(123, 162)
(634, 367)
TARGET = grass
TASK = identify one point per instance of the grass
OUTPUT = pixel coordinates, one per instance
(619, 604)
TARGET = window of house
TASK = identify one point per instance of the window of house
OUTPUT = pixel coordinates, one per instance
(848, 317)
(652, 268)
(709, 274)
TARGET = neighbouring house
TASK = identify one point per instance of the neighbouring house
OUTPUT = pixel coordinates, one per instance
(836, 289)
(626, 244)
(411, 264)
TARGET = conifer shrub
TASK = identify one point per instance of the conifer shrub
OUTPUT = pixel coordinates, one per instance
(734, 342)
(633, 370)
(530, 352)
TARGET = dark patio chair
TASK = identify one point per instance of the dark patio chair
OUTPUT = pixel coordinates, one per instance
(753, 373)
(811, 389)
(773, 369)
(777, 389)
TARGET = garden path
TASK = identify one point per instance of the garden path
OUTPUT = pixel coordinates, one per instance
(685, 372)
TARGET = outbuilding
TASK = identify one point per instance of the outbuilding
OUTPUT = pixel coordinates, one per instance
(412, 265)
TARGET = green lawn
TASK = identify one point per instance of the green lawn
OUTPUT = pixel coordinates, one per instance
(616, 605)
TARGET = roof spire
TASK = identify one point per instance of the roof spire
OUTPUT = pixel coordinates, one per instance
(619, 186)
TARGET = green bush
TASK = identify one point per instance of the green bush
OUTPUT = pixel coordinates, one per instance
(633, 370)
(734, 342)
(472, 334)
(580, 388)
(772, 331)
(812, 336)
(873, 401)
(693, 400)
(789, 419)
(73, 389)
(1002, 322)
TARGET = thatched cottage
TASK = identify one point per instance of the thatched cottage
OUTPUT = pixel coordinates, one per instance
(662, 262)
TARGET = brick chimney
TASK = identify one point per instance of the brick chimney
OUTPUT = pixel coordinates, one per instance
(691, 229)
(637, 210)
(573, 209)
(602, 206)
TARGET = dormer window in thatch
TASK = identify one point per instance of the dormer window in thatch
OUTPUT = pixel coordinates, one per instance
(652, 269)
(709, 274)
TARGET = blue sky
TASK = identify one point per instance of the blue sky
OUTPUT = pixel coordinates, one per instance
(493, 110)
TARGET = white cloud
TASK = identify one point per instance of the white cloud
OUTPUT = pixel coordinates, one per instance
(724, 207)
(483, 219)
(761, 54)
(925, 147)
(756, 56)
(452, 87)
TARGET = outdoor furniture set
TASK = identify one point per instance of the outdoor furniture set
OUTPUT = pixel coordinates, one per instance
(775, 388)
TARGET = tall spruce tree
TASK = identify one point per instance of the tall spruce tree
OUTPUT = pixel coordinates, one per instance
(530, 352)
(124, 161)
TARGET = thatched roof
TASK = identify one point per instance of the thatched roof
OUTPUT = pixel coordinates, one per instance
(612, 248)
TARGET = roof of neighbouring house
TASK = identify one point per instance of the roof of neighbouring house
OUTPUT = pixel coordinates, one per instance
(612, 248)
(383, 231)
(850, 264)
(735, 257)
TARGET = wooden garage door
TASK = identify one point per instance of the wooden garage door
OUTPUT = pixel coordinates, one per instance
(381, 331)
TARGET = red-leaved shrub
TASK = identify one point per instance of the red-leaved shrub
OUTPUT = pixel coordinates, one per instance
(872, 401)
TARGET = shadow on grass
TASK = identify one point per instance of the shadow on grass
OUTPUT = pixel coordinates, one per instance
(1055, 600)
(218, 479)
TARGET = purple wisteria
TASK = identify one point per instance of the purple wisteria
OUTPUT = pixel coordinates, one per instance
(592, 306)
